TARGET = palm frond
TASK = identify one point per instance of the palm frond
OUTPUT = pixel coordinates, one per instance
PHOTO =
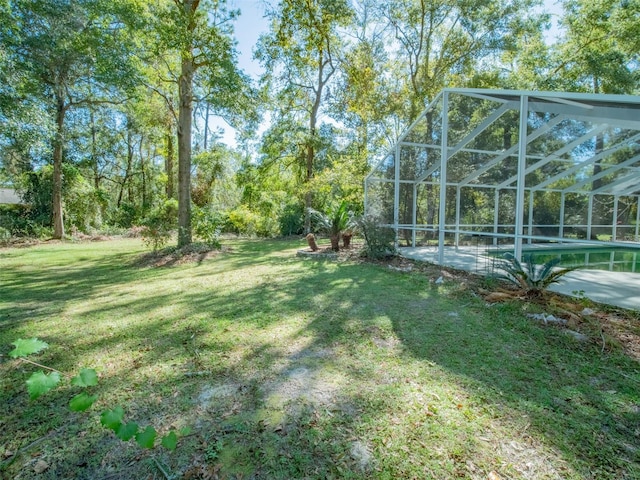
(530, 276)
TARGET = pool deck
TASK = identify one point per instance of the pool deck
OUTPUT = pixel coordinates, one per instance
(612, 288)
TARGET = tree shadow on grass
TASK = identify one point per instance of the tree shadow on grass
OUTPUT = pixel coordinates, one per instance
(582, 404)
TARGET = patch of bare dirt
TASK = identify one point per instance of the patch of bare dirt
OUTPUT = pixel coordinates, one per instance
(26, 242)
(167, 257)
(353, 252)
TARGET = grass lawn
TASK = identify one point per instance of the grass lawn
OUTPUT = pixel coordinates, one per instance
(292, 368)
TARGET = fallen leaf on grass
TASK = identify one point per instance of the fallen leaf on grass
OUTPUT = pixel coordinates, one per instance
(498, 297)
(40, 466)
(493, 476)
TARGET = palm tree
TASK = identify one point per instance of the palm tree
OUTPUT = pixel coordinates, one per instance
(333, 222)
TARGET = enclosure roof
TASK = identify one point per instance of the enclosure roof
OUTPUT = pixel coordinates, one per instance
(593, 99)
(601, 111)
(622, 110)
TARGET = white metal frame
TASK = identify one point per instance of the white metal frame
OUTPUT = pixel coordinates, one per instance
(599, 114)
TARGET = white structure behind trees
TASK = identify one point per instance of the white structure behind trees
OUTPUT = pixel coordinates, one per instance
(8, 196)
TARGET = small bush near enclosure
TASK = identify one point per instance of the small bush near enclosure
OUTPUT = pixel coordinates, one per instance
(379, 241)
(291, 220)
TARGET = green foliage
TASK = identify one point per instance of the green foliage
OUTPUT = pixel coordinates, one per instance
(16, 220)
(86, 378)
(159, 225)
(244, 221)
(5, 235)
(40, 383)
(379, 241)
(207, 225)
(291, 220)
(595, 53)
(126, 431)
(146, 438)
(210, 168)
(170, 441)
(22, 221)
(24, 348)
(83, 203)
(112, 419)
(82, 402)
(334, 220)
(529, 276)
(126, 215)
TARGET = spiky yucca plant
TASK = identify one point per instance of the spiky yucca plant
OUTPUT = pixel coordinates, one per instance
(531, 277)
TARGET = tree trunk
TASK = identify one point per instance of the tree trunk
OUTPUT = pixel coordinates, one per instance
(346, 240)
(58, 221)
(311, 240)
(143, 174)
(313, 121)
(308, 196)
(185, 90)
(335, 242)
(168, 164)
(206, 127)
(94, 152)
(130, 153)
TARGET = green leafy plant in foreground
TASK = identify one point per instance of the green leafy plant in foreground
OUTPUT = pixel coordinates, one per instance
(40, 383)
(531, 277)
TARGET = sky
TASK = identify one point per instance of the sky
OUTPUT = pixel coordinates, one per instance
(252, 23)
(248, 28)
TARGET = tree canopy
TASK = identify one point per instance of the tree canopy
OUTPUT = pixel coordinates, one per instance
(105, 105)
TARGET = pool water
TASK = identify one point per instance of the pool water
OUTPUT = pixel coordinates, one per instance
(614, 259)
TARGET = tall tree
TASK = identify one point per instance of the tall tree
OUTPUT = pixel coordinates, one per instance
(441, 43)
(361, 102)
(198, 34)
(598, 52)
(300, 58)
(71, 54)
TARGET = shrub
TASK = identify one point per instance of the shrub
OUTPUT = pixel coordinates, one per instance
(242, 221)
(207, 225)
(529, 276)
(291, 220)
(15, 219)
(5, 235)
(158, 226)
(379, 240)
(334, 221)
(126, 215)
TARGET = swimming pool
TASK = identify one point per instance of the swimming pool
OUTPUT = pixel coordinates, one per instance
(614, 259)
